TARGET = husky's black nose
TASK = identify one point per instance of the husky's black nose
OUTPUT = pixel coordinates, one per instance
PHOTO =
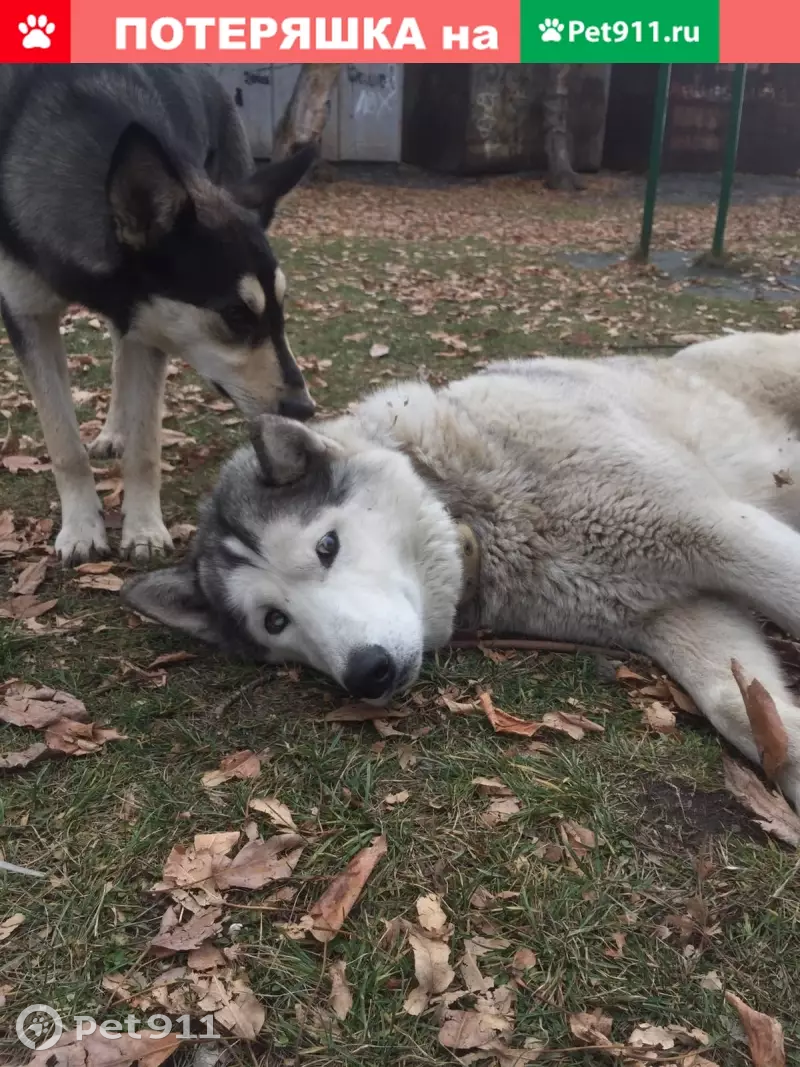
(300, 408)
(370, 673)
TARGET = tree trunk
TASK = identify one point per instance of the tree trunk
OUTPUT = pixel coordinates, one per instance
(307, 111)
(560, 174)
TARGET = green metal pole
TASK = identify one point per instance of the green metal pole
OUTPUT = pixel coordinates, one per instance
(729, 166)
(654, 169)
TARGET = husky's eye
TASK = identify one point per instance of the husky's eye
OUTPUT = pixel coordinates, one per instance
(238, 318)
(327, 548)
(275, 622)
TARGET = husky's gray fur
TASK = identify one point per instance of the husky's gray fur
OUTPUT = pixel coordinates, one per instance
(626, 501)
(131, 190)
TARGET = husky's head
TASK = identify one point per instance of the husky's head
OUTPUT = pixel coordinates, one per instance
(208, 288)
(308, 550)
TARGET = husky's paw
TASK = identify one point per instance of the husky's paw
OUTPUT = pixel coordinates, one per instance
(106, 445)
(82, 540)
(144, 539)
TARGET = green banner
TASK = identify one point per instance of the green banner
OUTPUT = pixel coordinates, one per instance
(619, 31)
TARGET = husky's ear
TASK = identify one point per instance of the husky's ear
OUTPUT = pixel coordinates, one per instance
(285, 448)
(264, 189)
(144, 190)
(173, 597)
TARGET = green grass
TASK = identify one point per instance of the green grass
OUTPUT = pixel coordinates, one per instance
(667, 838)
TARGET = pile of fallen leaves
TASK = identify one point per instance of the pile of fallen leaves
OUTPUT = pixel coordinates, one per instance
(198, 880)
(62, 717)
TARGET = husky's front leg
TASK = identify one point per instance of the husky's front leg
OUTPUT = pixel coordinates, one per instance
(140, 375)
(37, 342)
(695, 642)
(111, 439)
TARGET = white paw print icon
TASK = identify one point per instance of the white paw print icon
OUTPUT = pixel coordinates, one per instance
(36, 32)
(551, 30)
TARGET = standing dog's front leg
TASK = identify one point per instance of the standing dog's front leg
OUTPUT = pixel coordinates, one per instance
(140, 375)
(111, 439)
(695, 642)
(37, 342)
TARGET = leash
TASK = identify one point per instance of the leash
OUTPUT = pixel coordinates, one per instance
(471, 556)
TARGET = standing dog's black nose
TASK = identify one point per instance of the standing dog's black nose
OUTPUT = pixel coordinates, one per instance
(300, 408)
(370, 672)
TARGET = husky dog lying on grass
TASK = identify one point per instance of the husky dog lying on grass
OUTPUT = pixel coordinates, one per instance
(632, 501)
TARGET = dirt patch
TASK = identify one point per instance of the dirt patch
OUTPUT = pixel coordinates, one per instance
(688, 816)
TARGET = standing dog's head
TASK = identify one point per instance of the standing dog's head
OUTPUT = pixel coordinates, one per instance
(336, 556)
(208, 287)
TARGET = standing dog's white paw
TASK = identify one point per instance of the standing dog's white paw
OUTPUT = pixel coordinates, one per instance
(106, 445)
(83, 539)
(144, 539)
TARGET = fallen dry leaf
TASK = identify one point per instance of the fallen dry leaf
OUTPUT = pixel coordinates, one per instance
(28, 705)
(71, 738)
(147, 1048)
(570, 723)
(648, 1036)
(378, 351)
(480, 945)
(492, 787)
(28, 464)
(9, 925)
(206, 957)
(468, 1029)
(393, 799)
(591, 1028)
(500, 810)
(364, 713)
(17, 760)
(167, 659)
(431, 968)
(190, 935)
(659, 718)
(232, 1003)
(260, 862)
(711, 981)
(98, 567)
(769, 733)
(341, 996)
(277, 813)
(431, 916)
(458, 707)
(109, 583)
(764, 1034)
(577, 841)
(336, 903)
(30, 578)
(25, 607)
(615, 952)
(219, 844)
(771, 810)
(524, 959)
(504, 723)
(244, 764)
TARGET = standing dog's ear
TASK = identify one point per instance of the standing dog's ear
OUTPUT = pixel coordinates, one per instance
(265, 188)
(173, 597)
(286, 449)
(144, 190)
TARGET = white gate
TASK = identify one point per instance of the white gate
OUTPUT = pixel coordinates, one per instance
(366, 108)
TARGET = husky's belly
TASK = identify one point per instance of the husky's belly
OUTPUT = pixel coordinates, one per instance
(639, 410)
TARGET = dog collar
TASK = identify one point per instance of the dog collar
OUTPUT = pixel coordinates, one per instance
(471, 556)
